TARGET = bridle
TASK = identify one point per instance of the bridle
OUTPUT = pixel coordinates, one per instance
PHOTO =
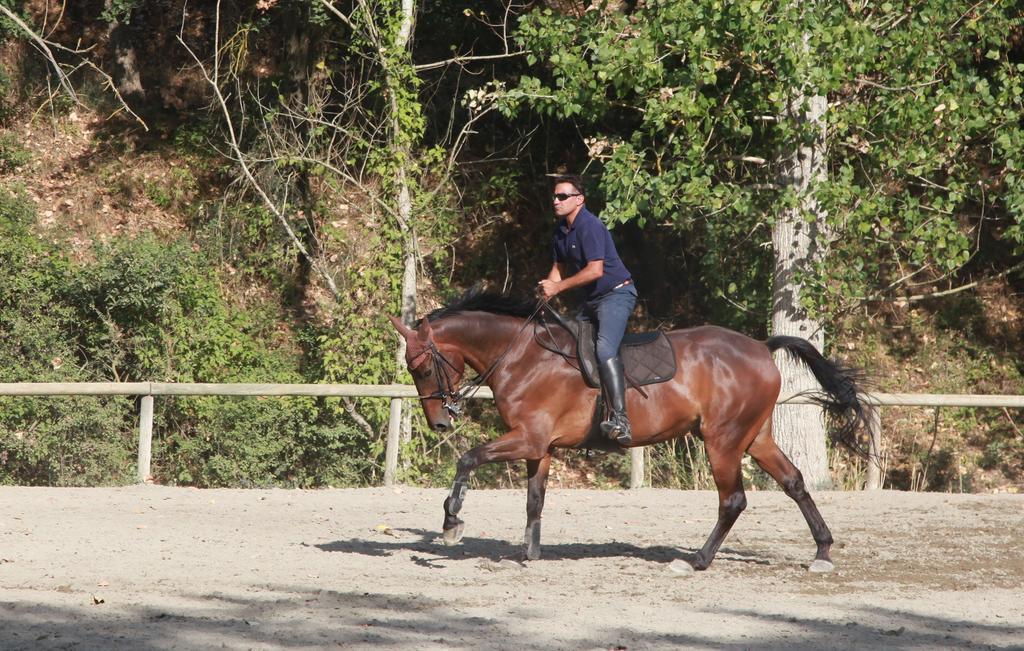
(446, 392)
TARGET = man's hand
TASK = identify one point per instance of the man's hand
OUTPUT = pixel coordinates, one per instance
(548, 288)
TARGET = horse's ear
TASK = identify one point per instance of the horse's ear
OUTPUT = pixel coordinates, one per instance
(403, 329)
(426, 333)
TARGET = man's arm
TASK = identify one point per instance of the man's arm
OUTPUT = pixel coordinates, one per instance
(557, 272)
(552, 286)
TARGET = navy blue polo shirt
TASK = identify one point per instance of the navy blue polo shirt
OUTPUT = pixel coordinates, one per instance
(585, 241)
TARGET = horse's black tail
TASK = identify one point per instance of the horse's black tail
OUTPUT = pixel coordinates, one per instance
(842, 400)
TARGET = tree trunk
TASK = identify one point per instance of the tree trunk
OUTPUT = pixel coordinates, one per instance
(797, 237)
(296, 89)
(403, 41)
(408, 302)
(127, 77)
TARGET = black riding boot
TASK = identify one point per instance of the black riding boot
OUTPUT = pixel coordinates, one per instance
(614, 380)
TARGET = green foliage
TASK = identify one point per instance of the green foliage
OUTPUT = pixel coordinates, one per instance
(144, 309)
(926, 129)
(31, 322)
(81, 441)
(8, 28)
(173, 192)
(667, 95)
(956, 347)
(390, 149)
(16, 215)
(57, 441)
(360, 347)
(249, 240)
(120, 11)
(258, 442)
(12, 154)
(671, 100)
(683, 109)
(8, 93)
(158, 315)
(682, 463)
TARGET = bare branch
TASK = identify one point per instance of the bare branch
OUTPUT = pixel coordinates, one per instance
(350, 407)
(44, 46)
(906, 300)
(868, 82)
(463, 59)
(337, 12)
(239, 157)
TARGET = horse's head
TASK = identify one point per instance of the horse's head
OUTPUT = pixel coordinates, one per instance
(436, 369)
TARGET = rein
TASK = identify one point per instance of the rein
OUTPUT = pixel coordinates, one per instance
(552, 347)
(446, 391)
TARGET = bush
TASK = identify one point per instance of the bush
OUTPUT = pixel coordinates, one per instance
(147, 310)
(73, 441)
(55, 441)
(272, 441)
(12, 154)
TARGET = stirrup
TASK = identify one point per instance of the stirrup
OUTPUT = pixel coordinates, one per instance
(617, 428)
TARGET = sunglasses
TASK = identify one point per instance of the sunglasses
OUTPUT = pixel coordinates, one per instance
(562, 196)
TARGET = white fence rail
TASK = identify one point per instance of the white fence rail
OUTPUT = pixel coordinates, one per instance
(398, 392)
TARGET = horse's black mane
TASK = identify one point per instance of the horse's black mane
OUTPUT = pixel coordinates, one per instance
(477, 300)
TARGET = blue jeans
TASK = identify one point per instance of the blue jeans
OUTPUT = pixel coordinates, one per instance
(610, 314)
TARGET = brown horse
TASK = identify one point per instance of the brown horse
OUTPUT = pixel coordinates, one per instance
(724, 391)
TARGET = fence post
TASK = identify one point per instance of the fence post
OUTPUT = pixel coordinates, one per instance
(874, 477)
(145, 438)
(391, 451)
(636, 467)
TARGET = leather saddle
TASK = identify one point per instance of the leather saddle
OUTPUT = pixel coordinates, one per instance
(648, 357)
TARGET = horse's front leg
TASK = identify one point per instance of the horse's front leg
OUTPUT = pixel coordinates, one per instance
(513, 446)
(537, 470)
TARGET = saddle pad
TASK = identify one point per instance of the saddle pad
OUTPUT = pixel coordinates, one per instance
(647, 357)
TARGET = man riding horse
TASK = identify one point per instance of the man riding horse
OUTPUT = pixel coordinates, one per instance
(585, 257)
(726, 396)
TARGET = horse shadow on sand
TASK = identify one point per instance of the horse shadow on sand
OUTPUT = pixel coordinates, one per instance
(420, 542)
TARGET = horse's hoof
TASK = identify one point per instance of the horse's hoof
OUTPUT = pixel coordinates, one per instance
(453, 536)
(699, 564)
(681, 568)
(821, 565)
(533, 553)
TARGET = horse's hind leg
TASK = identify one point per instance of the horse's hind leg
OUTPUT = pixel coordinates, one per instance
(772, 460)
(725, 466)
(538, 473)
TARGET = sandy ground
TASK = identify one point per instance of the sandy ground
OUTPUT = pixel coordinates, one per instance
(170, 568)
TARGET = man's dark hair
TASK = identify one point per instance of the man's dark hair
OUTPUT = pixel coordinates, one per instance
(573, 179)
